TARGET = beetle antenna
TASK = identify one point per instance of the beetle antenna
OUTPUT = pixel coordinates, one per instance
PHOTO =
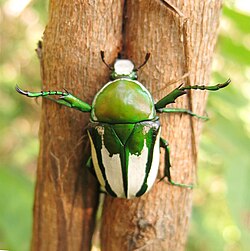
(119, 55)
(145, 61)
(103, 60)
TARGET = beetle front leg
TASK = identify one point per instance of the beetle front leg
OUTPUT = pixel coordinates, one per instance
(170, 98)
(164, 144)
(65, 98)
(181, 90)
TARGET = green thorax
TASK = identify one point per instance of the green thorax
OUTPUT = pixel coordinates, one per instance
(123, 101)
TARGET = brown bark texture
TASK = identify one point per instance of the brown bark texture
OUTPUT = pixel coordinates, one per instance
(66, 195)
(178, 45)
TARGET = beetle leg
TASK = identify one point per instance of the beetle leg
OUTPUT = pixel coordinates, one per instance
(179, 91)
(65, 98)
(75, 102)
(90, 166)
(204, 87)
(181, 110)
(170, 98)
(59, 101)
(164, 144)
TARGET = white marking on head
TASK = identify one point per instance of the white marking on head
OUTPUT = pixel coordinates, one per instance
(123, 66)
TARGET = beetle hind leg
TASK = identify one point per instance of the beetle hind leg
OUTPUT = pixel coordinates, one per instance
(164, 144)
(90, 167)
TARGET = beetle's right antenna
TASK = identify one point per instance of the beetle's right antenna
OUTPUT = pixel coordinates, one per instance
(103, 60)
(145, 61)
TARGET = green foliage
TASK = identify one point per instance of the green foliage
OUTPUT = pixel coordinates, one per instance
(21, 28)
(16, 209)
(221, 214)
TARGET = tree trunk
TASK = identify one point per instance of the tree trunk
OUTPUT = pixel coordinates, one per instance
(66, 195)
(159, 220)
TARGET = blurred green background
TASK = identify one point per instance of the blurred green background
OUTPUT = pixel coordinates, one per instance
(221, 213)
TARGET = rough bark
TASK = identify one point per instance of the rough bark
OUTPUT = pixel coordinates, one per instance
(159, 220)
(66, 195)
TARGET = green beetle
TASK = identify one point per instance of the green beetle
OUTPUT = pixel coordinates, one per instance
(124, 129)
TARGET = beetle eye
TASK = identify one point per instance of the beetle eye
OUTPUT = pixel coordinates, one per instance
(123, 67)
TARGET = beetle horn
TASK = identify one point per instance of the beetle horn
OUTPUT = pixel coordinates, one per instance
(145, 61)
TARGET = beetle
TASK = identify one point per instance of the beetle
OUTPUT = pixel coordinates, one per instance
(124, 129)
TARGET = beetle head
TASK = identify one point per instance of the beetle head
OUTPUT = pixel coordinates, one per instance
(124, 68)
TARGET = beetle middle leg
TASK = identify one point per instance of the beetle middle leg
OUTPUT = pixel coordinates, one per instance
(182, 110)
(164, 144)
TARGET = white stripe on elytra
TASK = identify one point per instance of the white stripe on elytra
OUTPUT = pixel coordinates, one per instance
(136, 168)
(113, 171)
(137, 171)
(95, 163)
(112, 165)
(155, 162)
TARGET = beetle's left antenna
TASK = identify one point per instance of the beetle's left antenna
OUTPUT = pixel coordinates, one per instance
(103, 60)
(145, 61)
